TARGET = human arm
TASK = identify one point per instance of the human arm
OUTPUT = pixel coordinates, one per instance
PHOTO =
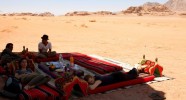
(19, 74)
(30, 71)
(49, 47)
(40, 50)
(49, 51)
(40, 46)
(96, 84)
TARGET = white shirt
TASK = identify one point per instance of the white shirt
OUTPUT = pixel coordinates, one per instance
(43, 47)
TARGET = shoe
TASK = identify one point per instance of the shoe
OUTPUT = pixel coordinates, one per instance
(134, 72)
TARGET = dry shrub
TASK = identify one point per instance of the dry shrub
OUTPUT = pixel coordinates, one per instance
(67, 22)
(83, 25)
(92, 20)
(182, 14)
(6, 30)
(14, 27)
(24, 18)
(75, 25)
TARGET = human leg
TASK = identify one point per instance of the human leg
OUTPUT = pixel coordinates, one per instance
(122, 76)
(43, 81)
(42, 55)
(32, 83)
(134, 72)
(51, 54)
(28, 78)
(38, 80)
(35, 80)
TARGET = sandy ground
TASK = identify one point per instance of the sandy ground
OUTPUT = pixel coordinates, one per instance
(123, 38)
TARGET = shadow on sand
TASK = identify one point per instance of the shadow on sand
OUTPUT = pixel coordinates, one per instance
(137, 92)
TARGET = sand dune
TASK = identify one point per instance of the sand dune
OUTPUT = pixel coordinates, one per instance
(124, 38)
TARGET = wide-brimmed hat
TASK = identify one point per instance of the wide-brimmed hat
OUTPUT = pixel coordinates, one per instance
(45, 37)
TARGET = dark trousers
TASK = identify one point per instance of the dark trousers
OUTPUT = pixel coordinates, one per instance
(121, 76)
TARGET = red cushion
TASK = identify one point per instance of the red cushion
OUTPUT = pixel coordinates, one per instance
(43, 92)
(55, 58)
(68, 87)
(121, 84)
(94, 64)
(52, 94)
(33, 94)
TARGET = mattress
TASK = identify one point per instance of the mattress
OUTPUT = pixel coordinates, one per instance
(94, 64)
(141, 79)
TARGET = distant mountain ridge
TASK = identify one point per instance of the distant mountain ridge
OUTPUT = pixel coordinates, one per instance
(28, 14)
(151, 4)
(85, 13)
(171, 7)
(176, 5)
(149, 8)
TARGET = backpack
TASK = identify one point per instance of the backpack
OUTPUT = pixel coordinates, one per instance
(13, 85)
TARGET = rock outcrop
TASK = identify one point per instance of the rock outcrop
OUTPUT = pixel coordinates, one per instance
(85, 13)
(176, 5)
(47, 14)
(78, 13)
(150, 8)
(103, 13)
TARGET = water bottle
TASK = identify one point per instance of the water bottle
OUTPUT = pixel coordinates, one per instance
(23, 52)
(71, 61)
(26, 50)
(61, 61)
(143, 60)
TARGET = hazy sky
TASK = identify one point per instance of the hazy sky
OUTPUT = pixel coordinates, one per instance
(59, 7)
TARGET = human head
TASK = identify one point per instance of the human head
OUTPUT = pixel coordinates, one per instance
(90, 79)
(44, 39)
(23, 63)
(9, 46)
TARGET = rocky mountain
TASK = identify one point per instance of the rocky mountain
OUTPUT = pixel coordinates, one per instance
(149, 8)
(152, 4)
(85, 13)
(78, 13)
(176, 5)
(48, 14)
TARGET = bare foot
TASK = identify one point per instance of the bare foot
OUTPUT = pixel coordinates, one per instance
(27, 87)
(32, 86)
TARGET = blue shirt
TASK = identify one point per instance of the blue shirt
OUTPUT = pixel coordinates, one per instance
(27, 71)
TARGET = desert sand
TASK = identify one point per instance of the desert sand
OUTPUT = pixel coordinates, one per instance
(123, 38)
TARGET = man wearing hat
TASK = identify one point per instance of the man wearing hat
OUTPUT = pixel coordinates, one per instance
(45, 48)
